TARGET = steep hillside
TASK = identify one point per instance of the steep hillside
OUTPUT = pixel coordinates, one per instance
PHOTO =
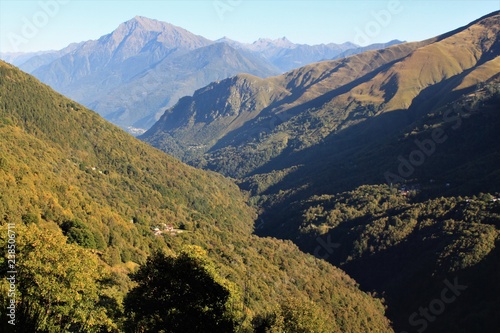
(197, 123)
(413, 250)
(262, 136)
(65, 171)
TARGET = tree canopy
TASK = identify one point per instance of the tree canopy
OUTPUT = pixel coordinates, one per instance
(178, 294)
(59, 286)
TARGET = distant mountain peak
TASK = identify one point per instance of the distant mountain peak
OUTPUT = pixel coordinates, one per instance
(139, 31)
(149, 24)
(263, 43)
(146, 24)
(231, 42)
(139, 18)
(350, 45)
(282, 40)
(225, 38)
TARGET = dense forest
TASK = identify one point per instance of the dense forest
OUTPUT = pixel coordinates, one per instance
(396, 242)
(384, 164)
(427, 223)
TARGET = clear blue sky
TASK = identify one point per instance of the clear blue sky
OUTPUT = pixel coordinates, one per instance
(311, 22)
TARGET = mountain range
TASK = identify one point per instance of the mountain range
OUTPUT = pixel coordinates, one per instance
(133, 74)
(286, 55)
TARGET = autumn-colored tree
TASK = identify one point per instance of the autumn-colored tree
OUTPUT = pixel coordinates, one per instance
(294, 316)
(58, 285)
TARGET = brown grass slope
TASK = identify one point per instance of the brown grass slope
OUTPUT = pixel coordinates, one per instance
(434, 63)
(224, 106)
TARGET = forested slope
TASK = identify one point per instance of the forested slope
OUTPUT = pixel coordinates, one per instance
(83, 197)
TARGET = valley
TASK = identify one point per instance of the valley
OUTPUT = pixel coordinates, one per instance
(84, 209)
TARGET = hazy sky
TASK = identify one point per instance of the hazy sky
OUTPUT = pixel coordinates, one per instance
(53, 24)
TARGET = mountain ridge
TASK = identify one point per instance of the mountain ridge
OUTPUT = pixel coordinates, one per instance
(302, 85)
(376, 81)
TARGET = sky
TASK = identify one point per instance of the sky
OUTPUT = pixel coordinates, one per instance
(27, 26)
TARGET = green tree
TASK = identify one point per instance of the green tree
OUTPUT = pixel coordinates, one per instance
(294, 316)
(77, 232)
(58, 285)
(178, 294)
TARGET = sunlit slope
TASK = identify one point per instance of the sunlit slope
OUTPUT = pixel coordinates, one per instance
(301, 108)
(431, 64)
